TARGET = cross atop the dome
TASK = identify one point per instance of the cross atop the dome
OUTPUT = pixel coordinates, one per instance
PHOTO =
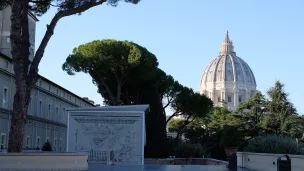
(227, 33)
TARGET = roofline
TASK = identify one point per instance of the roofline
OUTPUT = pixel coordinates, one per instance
(44, 78)
(144, 106)
(30, 14)
(33, 16)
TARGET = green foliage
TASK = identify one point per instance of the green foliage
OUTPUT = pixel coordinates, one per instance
(277, 144)
(230, 136)
(297, 127)
(191, 105)
(250, 113)
(221, 116)
(40, 7)
(281, 113)
(119, 69)
(47, 146)
(186, 150)
(175, 125)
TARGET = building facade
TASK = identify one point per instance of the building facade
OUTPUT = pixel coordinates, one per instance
(47, 118)
(228, 79)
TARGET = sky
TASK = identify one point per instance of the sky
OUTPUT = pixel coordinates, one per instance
(185, 37)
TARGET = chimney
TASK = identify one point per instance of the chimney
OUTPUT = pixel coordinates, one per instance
(85, 98)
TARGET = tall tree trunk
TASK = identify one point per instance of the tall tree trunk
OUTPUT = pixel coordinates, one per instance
(25, 72)
(20, 51)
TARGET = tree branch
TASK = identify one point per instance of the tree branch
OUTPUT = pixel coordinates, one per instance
(32, 75)
(174, 114)
(168, 102)
(44, 2)
(107, 88)
(186, 122)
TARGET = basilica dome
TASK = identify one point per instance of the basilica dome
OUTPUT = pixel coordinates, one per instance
(228, 77)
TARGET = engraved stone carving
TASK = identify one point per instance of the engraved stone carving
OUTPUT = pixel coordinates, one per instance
(116, 135)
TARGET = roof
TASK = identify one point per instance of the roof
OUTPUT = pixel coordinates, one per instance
(33, 16)
(228, 67)
(47, 80)
(134, 108)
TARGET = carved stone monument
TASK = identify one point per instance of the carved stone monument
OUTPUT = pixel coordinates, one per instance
(113, 134)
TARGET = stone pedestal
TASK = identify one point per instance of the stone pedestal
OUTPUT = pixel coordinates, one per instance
(113, 134)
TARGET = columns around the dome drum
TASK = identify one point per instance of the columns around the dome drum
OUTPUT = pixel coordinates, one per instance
(211, 95)
(223, 95)
(247, 95)
(236, 95)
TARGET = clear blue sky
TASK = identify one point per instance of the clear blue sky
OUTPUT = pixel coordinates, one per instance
(186, 36)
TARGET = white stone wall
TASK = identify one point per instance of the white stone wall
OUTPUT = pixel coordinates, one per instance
(267, 161)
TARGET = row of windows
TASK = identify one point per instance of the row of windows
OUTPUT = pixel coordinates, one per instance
(63, 94)
(56, 115)
(57, 146)
(57, 91)
(229, 99)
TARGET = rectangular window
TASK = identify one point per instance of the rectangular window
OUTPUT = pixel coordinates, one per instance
(40, 83)
(240, 98)
(60, 144)
(47, 139)
(63, 94)
(49, 110)
(55, 144)
(3, 141)
(70, 97)
(40, 108)
(5, 98)
(57, 114)
(75, 100)
(50, 87)
(27, 142)
(8, 39)
(38, 143)
(57, 91)
(229, 99)
(6, 65)
(218, 99)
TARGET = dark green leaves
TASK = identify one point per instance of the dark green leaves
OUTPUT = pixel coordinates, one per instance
(4, 3)
(40, 7)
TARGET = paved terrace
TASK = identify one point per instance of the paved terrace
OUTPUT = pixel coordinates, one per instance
(103, 167)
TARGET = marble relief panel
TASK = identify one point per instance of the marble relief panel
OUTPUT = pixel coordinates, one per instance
(105, 133)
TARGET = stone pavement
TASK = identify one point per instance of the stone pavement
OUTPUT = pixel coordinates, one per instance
(103, 167)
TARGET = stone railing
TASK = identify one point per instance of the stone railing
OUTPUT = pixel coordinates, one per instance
(267, 161)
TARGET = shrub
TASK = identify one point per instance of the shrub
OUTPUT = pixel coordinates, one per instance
(47, 146)
(272, 143)
(186, 150)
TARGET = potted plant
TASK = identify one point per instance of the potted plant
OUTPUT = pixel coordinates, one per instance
(230, 139)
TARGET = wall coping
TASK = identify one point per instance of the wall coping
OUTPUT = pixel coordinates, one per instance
(210, 159)
(42, 154)
(272, 154)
